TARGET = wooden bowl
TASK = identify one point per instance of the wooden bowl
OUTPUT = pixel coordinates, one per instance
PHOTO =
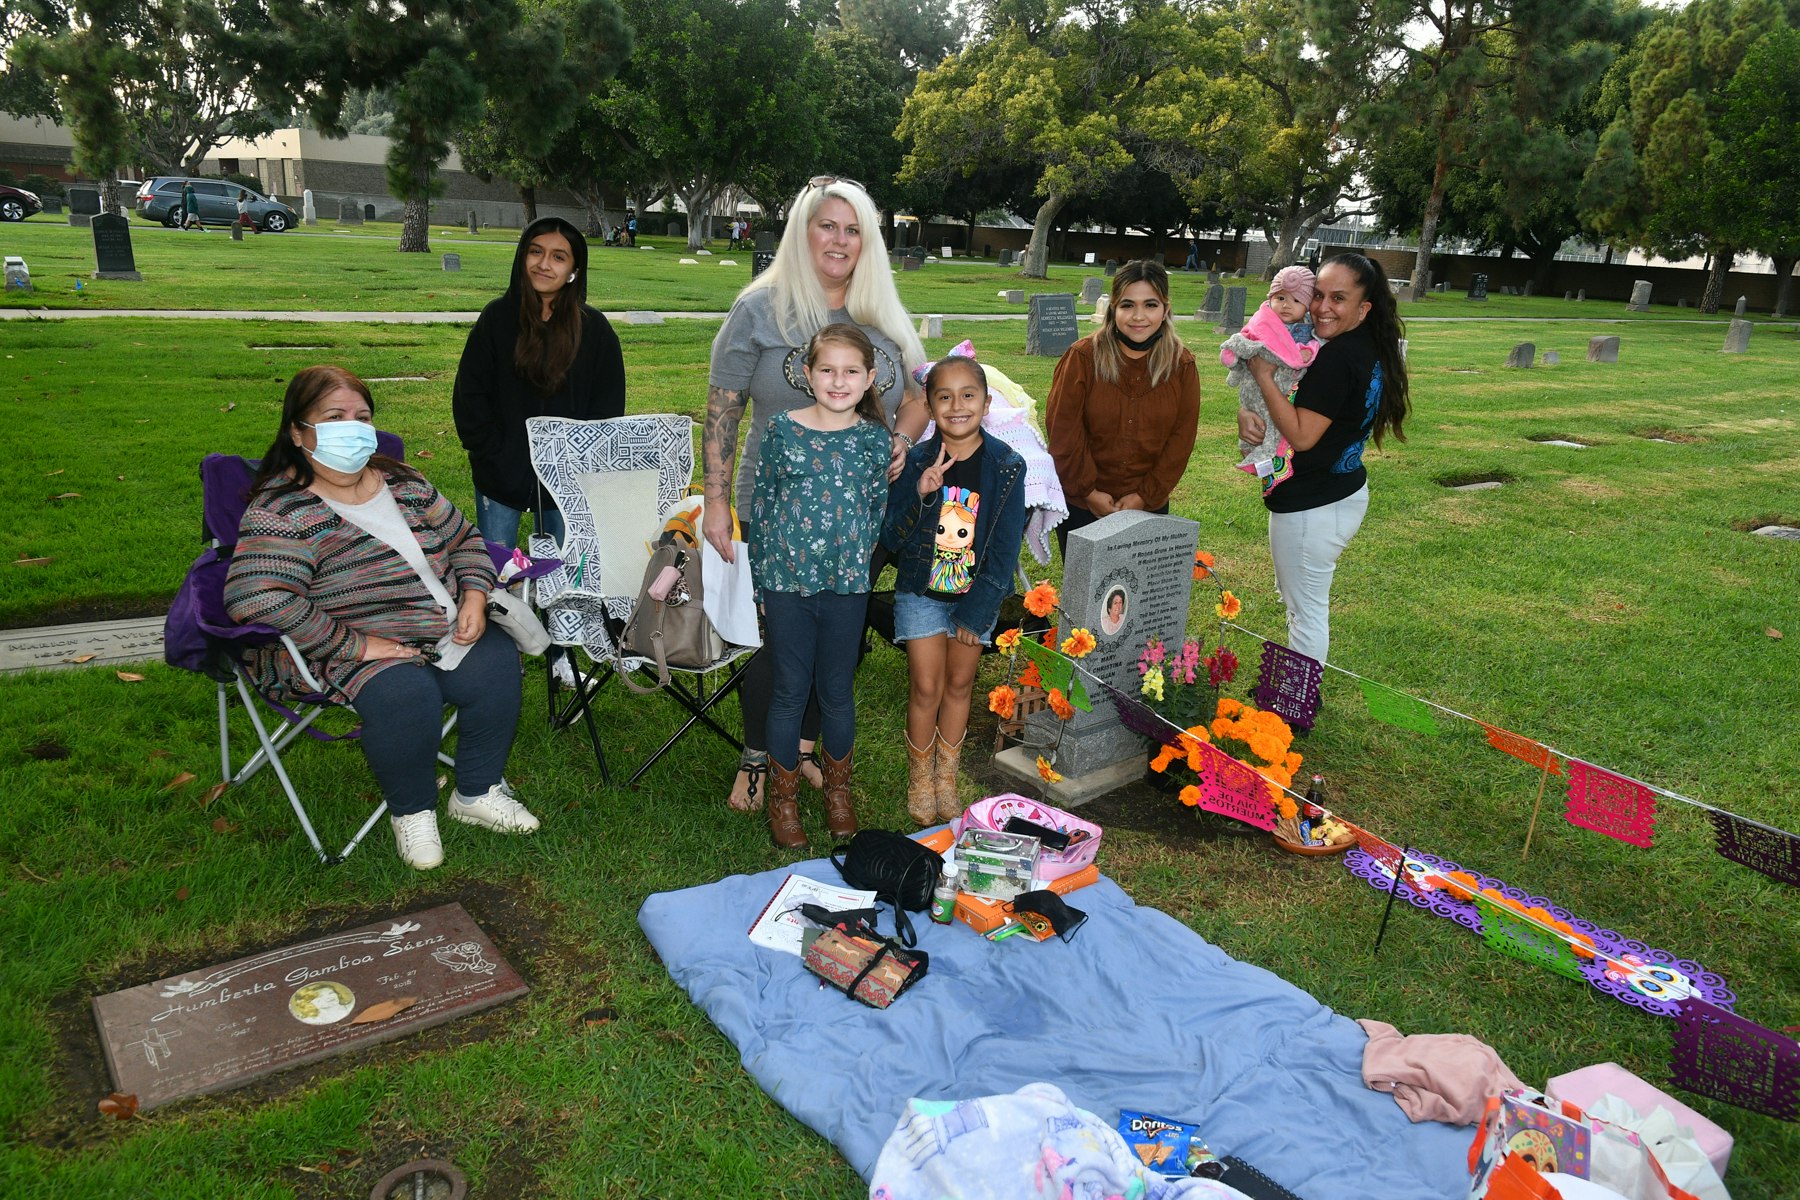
(1328, 848)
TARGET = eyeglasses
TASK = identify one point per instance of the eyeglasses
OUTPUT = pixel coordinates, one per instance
(819, 181)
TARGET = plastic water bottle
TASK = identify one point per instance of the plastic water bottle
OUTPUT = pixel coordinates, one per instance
(943, 897)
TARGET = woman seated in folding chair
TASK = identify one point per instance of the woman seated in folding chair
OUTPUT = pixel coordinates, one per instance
(383, 585)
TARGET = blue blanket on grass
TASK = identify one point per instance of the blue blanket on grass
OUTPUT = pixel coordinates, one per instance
(1138, 1012)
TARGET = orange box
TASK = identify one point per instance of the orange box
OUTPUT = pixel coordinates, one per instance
(985, 916)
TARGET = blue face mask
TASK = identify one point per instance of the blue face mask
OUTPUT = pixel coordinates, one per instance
(343, 445)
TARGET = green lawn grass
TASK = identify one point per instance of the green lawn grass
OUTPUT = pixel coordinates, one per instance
(359, 268)
(1605, 600)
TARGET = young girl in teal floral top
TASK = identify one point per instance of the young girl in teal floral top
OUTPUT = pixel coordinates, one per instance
(821, 493)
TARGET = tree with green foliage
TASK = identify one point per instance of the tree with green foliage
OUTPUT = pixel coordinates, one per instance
(717, 90)
(524, 134)
(914, 33)
(1756, 154)
(1654, 183)
(1054, 86)
(1448, 59)
(85, 60)
(25, 92)
(439, 61)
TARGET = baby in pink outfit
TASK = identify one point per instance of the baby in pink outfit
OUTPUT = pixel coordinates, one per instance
(1282, 332)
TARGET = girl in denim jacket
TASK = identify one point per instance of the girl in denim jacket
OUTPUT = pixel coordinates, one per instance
(955, 518)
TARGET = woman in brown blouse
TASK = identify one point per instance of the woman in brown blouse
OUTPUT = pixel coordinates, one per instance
(1124, 405)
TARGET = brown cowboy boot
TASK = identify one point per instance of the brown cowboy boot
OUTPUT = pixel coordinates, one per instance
(949, 757)
(784, 807)
(921, 786)
(840, 810)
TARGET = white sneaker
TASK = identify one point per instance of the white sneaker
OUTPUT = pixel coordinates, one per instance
(494, 809)
(416, 837)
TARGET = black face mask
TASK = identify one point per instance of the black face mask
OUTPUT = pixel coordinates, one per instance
(1144, 345)
(1046, 905)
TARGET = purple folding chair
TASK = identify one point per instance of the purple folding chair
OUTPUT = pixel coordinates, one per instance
(199, 635)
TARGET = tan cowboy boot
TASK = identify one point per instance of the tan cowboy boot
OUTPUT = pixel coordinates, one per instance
(921, 785)
(840, 810)
(949, 758)
(784, 807)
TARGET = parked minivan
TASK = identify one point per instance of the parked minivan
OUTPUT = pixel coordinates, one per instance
(159, 199)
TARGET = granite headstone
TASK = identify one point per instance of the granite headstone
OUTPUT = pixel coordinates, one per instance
(1126, 579)
(1212, 306)
(931, 326)
(1603, 349)
(84, 200)
(112, 248)
(452, 262)
(1233, 319)
(1015, 295)
(474, 223)
(1051, 327)
(765, 240)
(1640, 296)
(1523, 355)
(1478, 287)
(309, 212)
(1112, 267)
(220, 1027)
(1737, 336)
(18, 275)
(1743, 302)
(760, 261)
(1552, 358)
(349, 213)
(1092, 288)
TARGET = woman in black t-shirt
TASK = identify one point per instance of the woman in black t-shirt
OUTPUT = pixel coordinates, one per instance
(1356, 389)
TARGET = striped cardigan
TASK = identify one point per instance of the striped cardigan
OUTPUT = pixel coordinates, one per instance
(302, 569)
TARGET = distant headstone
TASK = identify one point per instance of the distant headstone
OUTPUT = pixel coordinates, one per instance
(18, 275)
(1567, 296)
(1212, 275)
(53, 205)
(1737, 336)
(1580, 295)
(1233, 319)
(309, 212)
(452, 262)
(1162, 260)
(760, 261)
(639, 317)
(688, 262)
(1051, 327)
(931, 326)
(909, 263)
(708, 253)
(1127, 579)
(1477, 287)
(1523, 355)
(237, 231)
(1681, 302)
(1527, 288)
(1603, 349)
(112, 248)
(474, 223)
(223, 1026)
(1006, 258)
(1742, 302)
(1213, 303)
(368, 212)
(81, 219)
(1087, 260)
(1552, 358)
(1112, 266)
(1092, 288)
(1640, 296)
(1101, 307)
(765, 240)
(1015, 296)
(84, 200)
(1441, 286)
(349, 213)
(949, 252)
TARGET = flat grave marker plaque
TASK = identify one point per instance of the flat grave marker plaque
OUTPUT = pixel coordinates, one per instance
(216, 1028)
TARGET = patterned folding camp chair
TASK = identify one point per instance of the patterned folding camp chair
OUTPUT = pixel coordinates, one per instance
(200, 636)
(572, 459)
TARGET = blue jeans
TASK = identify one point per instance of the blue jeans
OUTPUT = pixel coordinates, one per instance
(812, 642)
(402, 711)
(499, 523)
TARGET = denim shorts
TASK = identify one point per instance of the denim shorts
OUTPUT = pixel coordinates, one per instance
(917, 616)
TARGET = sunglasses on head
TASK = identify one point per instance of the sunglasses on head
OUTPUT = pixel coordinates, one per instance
(819, 181)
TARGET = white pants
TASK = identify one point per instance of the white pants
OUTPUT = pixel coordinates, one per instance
(1305, 547)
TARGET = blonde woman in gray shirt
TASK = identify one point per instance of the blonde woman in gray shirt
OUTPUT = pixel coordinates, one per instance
(831, 266)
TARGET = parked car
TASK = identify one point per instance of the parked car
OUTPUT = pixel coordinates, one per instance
(159, 199)
(16, 203)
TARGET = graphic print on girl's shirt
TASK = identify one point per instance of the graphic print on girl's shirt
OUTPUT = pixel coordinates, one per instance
(953, 560)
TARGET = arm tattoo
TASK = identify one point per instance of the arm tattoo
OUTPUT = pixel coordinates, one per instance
(718, 440)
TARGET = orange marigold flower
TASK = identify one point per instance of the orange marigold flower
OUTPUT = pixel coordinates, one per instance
(1164, 757)
(1008, 642)
(1029, 677)
(1041, 599)
(1224, 728)
(1001, 701)
(1203, 564)
(1190, 796)
(1046, 772)
(1059, 704)
(1228, 606)
(1079, 644)
(1284, 804)
(1265, 747)
(1292, 763)
(1229, 707)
